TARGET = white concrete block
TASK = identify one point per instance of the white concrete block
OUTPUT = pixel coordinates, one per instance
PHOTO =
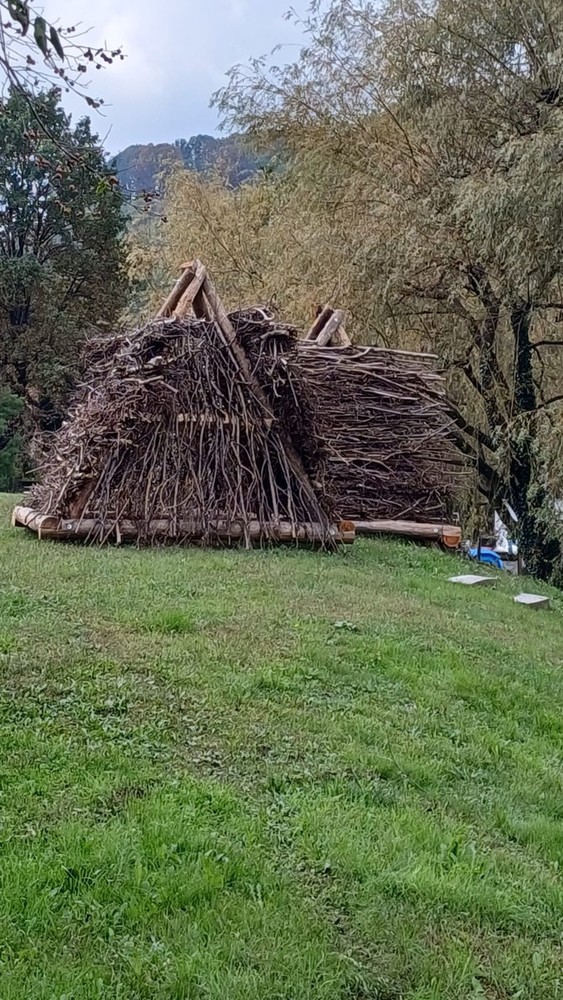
(474, 581)
(533, 601)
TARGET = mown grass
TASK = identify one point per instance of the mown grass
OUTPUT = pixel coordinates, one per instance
(229, 775)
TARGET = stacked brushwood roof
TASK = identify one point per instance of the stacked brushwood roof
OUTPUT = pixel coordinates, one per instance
(384, 420)
(214, 428)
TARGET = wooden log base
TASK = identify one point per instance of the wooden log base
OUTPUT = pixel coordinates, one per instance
(49, 526)
(92, 529)
(448, 535)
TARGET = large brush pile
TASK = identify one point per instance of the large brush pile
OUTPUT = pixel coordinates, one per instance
(169, 437)
(222, 428)
(384, 421)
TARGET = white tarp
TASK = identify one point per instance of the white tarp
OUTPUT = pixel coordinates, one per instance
(504, 544)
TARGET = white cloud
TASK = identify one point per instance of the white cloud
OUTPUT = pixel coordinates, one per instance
(178, 52)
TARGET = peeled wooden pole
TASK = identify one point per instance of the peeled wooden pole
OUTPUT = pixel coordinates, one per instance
(194, 288)
(171, 302)
(448, 534)
(202, 309)
(340, 338)
(50, 526)
(336, 320)
(321, 320)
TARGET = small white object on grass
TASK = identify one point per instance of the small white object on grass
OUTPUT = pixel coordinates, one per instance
(532, 601)
(474, 581)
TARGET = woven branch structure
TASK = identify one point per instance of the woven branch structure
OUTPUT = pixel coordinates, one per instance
(216, 428)
(384, 421)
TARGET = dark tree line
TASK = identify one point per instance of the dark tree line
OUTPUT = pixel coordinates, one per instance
(62, 261)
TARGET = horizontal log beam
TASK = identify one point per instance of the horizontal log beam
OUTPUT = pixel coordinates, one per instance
(26, 517)
(447, 534)
(62, 529)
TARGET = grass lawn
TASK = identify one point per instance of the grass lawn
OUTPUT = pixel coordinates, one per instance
(283, 775)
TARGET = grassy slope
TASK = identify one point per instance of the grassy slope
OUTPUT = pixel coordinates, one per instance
(209, 790)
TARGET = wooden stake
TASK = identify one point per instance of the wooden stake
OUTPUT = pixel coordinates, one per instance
(325, 336)
(321, 320)
(170, 303)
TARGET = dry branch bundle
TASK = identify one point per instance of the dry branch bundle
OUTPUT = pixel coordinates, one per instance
(168, 429)
(233, 429)
(384, 421)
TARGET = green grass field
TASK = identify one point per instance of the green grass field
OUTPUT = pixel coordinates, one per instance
(232, 776)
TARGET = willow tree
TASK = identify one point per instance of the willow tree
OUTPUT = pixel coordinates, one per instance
(444, 122)
(262, 242)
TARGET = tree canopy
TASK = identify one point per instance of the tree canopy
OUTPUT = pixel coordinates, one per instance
(62, 255)
(430, 138)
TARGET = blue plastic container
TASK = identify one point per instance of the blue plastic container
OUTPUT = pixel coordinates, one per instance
(487, 556)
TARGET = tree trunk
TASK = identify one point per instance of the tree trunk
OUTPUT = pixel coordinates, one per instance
(539, 547)
(524, 404)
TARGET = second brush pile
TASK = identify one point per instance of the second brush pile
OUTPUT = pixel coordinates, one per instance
(384, 422)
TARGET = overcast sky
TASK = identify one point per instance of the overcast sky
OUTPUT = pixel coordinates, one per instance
(178, 52)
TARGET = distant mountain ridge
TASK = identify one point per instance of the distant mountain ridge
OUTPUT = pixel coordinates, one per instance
(143, 167)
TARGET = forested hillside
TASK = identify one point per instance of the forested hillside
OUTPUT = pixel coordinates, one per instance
(145, 167)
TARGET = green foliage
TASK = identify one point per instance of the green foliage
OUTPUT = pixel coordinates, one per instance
(10, 407)
(212, 790)
(19, 10)
(10, 440)
(62, 257)
(40, 34)
(48, 54)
